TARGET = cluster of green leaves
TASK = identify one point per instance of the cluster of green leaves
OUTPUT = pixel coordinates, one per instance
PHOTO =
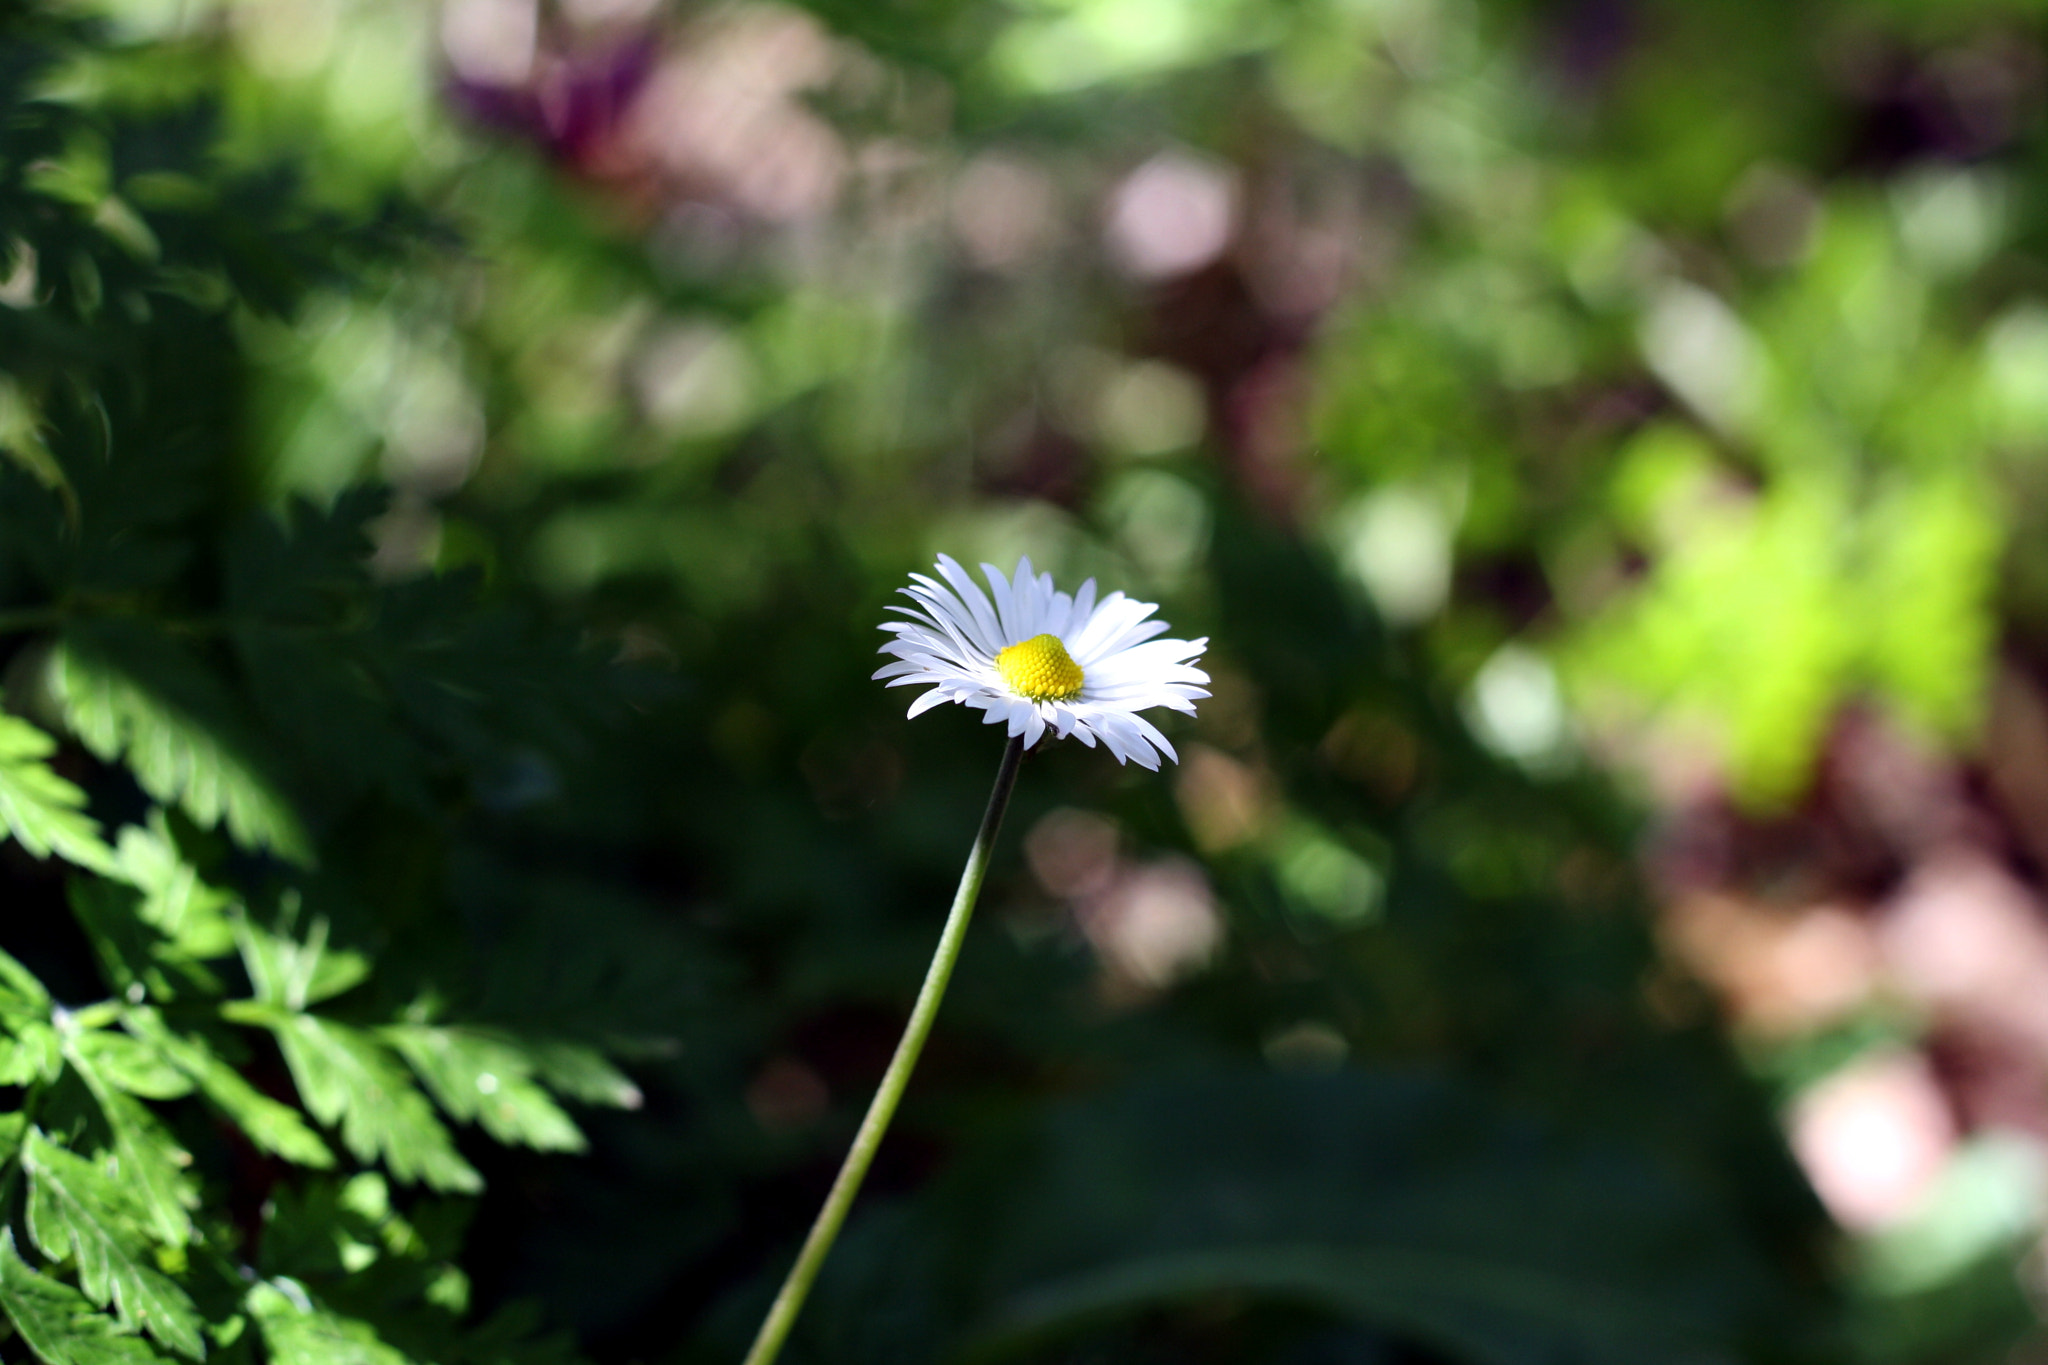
(222, 1139)
(129, 1222)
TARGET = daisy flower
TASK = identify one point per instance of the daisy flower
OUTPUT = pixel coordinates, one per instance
(1036, 659)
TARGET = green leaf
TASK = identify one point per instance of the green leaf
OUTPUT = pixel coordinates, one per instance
(22, 440)
(57, 1322)
(582, 1073)
(486, 1078)
(323, 1228)
(151, 1164)
(293, 975)
(133, 696)
(276, 1128)
(132, 1065)
(31, 1051)
(300, 1332)
(44, 813)
(134, 953)
(347, 1077)
(152, 920)
(77, 1210)
(20, 988)
(189, 912)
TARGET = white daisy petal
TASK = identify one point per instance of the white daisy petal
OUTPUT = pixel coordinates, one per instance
(1059, 618)
(1044, 601)
(1112, 620)
(949, 627)
(1084, 605)
(1149, 732)
(1104, 662)
(1006, 608)
(927, 702)
(1098, 735)
(976, 601)
(942, 607)
(1023, 598)
(1125, 727)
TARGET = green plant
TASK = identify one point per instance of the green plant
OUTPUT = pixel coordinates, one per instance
(235, 1090)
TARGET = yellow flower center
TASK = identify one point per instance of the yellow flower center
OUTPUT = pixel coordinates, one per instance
(1040, 668)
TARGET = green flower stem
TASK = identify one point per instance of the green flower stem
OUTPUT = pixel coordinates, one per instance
(790, 1300)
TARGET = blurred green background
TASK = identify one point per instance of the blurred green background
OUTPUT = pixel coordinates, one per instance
(459, 456)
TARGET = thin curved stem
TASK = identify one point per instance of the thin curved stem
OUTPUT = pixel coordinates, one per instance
(790, 1299)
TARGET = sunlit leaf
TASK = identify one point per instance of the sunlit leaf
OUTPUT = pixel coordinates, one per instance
(176, 901)
(582, 1073)
(45, 813)
(149, 1162)
(31, 1049)
(131, 1064)
(57, 1322)
(346, 1077)
(300, 1332)
(486, 1078)
(276, 1128)
(133, 953)
(76, 1210)
(294, 973)
(136, 699)
(35, 1052)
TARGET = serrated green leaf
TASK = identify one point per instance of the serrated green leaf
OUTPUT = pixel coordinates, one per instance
(486, 1078)
(44, 813)
(176, 732)
(30, 1049)
(57, 1322)
(582, 1073)
(329, 1227)
(301, 1332)
(294, 975)
(132, 952)
(21, 989)
(346, 1077)
(189, 912)
(105, 912)
(276, 1128)
(132, 1065)
(33, 1053)
(150, 1163)
(77, 1210)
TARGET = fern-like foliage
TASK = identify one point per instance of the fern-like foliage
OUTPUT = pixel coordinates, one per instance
(232, 1136)
(41, 810)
